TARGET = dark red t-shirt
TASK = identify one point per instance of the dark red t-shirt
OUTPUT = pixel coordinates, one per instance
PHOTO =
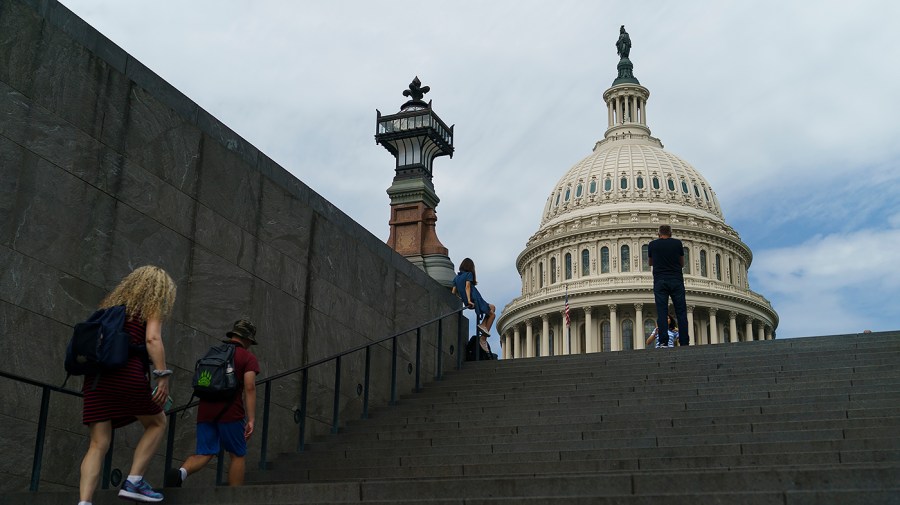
(244, 361)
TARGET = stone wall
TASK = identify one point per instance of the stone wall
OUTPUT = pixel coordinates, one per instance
(104, 167)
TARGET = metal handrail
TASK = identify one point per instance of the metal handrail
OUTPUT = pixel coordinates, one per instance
(46, 389)
(300, 415)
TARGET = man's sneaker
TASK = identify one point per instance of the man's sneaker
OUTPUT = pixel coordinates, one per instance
(139, 492)
(173, 478)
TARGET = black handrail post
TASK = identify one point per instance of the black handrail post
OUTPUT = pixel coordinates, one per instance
(304, 382)
(394, 371)
(460, 340)
(439, 372)
(264, 443)
(107, 461)
(39, 440)
(365, 412)
(418, 359)
(337, 395)
(170, 444)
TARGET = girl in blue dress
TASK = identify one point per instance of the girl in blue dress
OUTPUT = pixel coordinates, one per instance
(464, 287)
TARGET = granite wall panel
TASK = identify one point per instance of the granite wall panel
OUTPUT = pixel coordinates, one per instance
(160, 140)
(48, 137)
(12, 161)
(284, 221)
(20, 37)
(148, 194)
(229, 186)
(105, 167)
(70, 81)
(218, 291)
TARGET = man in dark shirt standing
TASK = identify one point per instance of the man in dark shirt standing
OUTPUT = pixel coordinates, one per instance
(666, 255)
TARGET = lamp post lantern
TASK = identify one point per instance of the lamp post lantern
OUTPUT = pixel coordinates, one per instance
(415, 136)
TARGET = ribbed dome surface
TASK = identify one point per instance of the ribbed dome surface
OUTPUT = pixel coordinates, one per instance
(630, 171)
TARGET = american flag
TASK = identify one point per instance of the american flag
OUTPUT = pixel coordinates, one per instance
(568, 319)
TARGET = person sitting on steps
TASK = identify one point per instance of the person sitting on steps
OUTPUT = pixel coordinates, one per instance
(464, 287)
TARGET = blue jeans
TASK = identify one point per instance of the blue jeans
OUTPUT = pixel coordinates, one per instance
(663, 289)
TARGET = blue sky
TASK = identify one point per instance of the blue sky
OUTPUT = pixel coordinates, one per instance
(789, 109)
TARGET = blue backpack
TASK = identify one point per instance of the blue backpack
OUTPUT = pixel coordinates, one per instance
(99, 344)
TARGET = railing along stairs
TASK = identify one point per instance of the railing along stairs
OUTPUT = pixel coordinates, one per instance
(300, 414)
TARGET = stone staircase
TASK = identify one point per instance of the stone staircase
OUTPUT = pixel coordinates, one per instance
(798, 421)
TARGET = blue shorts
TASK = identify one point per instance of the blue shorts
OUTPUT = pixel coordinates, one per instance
(231, 436)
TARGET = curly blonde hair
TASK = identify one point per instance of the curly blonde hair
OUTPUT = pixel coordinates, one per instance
(147, 293)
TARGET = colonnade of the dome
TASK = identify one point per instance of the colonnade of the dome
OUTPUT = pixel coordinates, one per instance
(605, 272)
(623, 326)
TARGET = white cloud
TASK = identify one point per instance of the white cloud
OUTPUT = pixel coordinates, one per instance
(835, 283)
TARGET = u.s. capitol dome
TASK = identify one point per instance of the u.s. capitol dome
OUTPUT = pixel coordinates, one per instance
(591, 246)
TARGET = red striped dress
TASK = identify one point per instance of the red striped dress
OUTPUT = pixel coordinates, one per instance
(123, 393)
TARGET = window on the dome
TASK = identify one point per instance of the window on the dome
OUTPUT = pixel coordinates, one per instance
(649, 326)
(623, 183)
(696, 191)
(607, 185)
(605, 336)
(625, 258)
(552, 270)
(718, 267)
(640, 182)
(585, 263)
(687, 261)
(671, 185)
(557, 198)
(578, 191)
(684, 188)
(706, 195)
(568, 266)
(730, 277)
(541, 274)
(593, 186)
(703, 263)
(627, 335)
(645, 257)
(656, 183)
(568, 192)
(604, 260)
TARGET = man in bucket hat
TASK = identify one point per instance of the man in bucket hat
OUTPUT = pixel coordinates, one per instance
(226, 424)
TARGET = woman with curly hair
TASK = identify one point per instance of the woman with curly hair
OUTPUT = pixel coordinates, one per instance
(116, 398)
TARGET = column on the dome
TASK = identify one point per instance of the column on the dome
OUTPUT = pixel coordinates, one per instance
(768, 333)
(643, 112)
(615, 342)
(639, 326)
(704, 333)
(589, 343)
(619, 116)
(692, 339)
(609, 114)
(564, 334)
(748, 331)
(632, 107)
(732, 316)
(518, 337)
(545, 335)
(762, 331)
(529, 339)
(713, 327)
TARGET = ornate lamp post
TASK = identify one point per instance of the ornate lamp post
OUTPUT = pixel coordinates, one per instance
(415, 136)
